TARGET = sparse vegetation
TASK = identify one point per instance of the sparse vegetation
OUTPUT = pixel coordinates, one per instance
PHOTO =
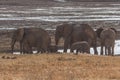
(60, 67)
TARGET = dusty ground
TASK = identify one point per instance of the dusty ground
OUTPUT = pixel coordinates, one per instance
(59, 67)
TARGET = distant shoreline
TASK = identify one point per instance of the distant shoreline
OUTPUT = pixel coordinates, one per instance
(49, 2)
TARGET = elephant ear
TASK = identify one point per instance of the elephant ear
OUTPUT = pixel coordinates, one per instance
(58, 33)
(20, 34)
(98, 31)
(114, 30)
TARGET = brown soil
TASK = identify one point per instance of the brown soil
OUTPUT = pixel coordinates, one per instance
(59, 67)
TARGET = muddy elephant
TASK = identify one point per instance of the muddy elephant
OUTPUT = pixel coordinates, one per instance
(31, 37)
(76, 32)
(82, 47)
(107, 37)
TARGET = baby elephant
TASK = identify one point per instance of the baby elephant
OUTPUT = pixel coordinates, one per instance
(81, 47)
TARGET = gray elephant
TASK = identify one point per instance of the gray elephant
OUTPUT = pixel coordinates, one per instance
(31, 37)
(63, 31)
(107, 37)
(82, 47)
(74, 33)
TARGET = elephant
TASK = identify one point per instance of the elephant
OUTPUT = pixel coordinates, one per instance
(74, 33)
(81, 46)
(63, 31)
(31, 37)
(107, 37)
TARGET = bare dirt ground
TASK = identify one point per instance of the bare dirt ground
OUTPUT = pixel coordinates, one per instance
(59, 67)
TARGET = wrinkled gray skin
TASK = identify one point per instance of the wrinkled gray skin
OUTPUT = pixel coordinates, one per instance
(82, 47)
(31, 37)
(107, 36)
(74, 33)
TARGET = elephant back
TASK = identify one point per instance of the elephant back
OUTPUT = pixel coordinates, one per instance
(84, 32)
(109, 33)
(114, 30)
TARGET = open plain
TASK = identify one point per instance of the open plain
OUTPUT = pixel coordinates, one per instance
(59, 67)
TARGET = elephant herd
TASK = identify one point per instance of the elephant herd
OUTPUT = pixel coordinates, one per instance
(79, 37)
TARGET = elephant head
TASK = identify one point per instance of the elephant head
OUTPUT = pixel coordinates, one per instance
(63, 30)
(17, 36)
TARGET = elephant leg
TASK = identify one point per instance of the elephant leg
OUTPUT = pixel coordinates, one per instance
(29, 50)
(65, 47)
(66, 44)
(80, 50)
(38, 50)
(109, 50)
(56, 40)
(106, 50)
(26, 47)
(42, 50)
(95, 50)
(21, 47)
(101, 50)
(77, 51)
(71, 50)
(112, 50)
(88, 51)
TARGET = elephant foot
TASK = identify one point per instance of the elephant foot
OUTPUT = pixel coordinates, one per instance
(76, 54)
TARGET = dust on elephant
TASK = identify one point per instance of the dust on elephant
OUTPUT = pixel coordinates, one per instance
(81, 47)
(32, 37)
(107, 37)
(74, 33)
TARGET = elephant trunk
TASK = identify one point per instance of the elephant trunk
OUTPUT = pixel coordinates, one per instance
(57, 37)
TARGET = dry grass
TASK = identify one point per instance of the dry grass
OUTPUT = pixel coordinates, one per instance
(59, 67)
